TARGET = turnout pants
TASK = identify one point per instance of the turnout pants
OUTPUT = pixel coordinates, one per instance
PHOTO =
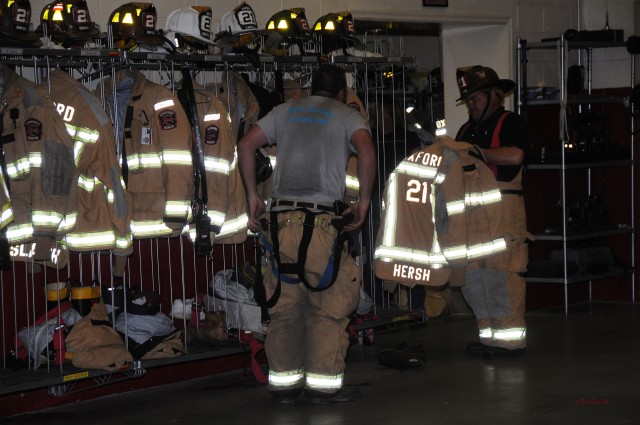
(496, 291)
(307, 339)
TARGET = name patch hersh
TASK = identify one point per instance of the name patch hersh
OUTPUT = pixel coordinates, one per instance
(420, 274)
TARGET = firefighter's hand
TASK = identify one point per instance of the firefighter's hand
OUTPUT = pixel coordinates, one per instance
(256, 208)
(354, 216)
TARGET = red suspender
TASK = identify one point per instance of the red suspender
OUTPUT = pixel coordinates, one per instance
(495, 140)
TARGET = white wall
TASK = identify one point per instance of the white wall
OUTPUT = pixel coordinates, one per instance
(530, 19)
(612, 65)
(538, 19)
(467, 45)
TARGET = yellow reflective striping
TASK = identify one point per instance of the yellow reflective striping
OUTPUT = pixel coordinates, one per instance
(211, 117)
(317, 381)
(177, 208)
(456, 253)
(46, 218)
(7, 215)
(147, 228)
(68, 222)
(217, 217)
(455, 207)
(478, 250)
(82, 134)
(19, 232)
(163, 104)
(124, 242)
(230, 227)
(18, 168)
(286, 378)
(510, 334)
(86, 183)
(485, 333)
(483, 198)
(389, 253)
(417, 170)
(176, 157)
(389, 234)
(83, 240)
(352, 182)
(216, 165)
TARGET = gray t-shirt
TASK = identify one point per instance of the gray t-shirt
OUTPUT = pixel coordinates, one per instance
(313, 138)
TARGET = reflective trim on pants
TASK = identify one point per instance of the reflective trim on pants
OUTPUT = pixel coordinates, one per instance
(499, 336)
(486, 333)
(284, 380)
(511, 334)
(497, 299)
(320, 382)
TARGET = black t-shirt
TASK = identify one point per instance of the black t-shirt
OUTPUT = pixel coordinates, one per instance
(512, 133)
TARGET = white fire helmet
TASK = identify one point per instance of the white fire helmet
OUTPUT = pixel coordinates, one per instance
(191, 24)
(238, 28)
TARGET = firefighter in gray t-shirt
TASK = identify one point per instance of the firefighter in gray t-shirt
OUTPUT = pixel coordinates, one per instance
(312, 284)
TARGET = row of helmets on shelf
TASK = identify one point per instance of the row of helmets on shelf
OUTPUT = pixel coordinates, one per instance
(133, 26)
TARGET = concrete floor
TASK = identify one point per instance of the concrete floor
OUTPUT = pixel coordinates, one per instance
(579, 369)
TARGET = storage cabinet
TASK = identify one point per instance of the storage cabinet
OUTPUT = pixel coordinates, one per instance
(580, 182)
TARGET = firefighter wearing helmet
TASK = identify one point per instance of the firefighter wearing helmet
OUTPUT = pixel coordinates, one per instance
(496, 290)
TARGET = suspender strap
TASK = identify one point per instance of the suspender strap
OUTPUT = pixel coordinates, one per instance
(495, 139)
(3, 162)
(259, 292)
(305, 240)
(283, 271)
(128, 118)
(331, 272)
(186, 95)
(9, 138)
(273, 228)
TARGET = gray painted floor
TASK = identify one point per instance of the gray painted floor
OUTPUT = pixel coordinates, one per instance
(579, 369)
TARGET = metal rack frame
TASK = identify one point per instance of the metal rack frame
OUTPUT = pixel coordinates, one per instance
(563, 46)
(61, 379)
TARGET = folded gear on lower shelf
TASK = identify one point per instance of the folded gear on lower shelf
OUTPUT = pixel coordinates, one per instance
(237, 301)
